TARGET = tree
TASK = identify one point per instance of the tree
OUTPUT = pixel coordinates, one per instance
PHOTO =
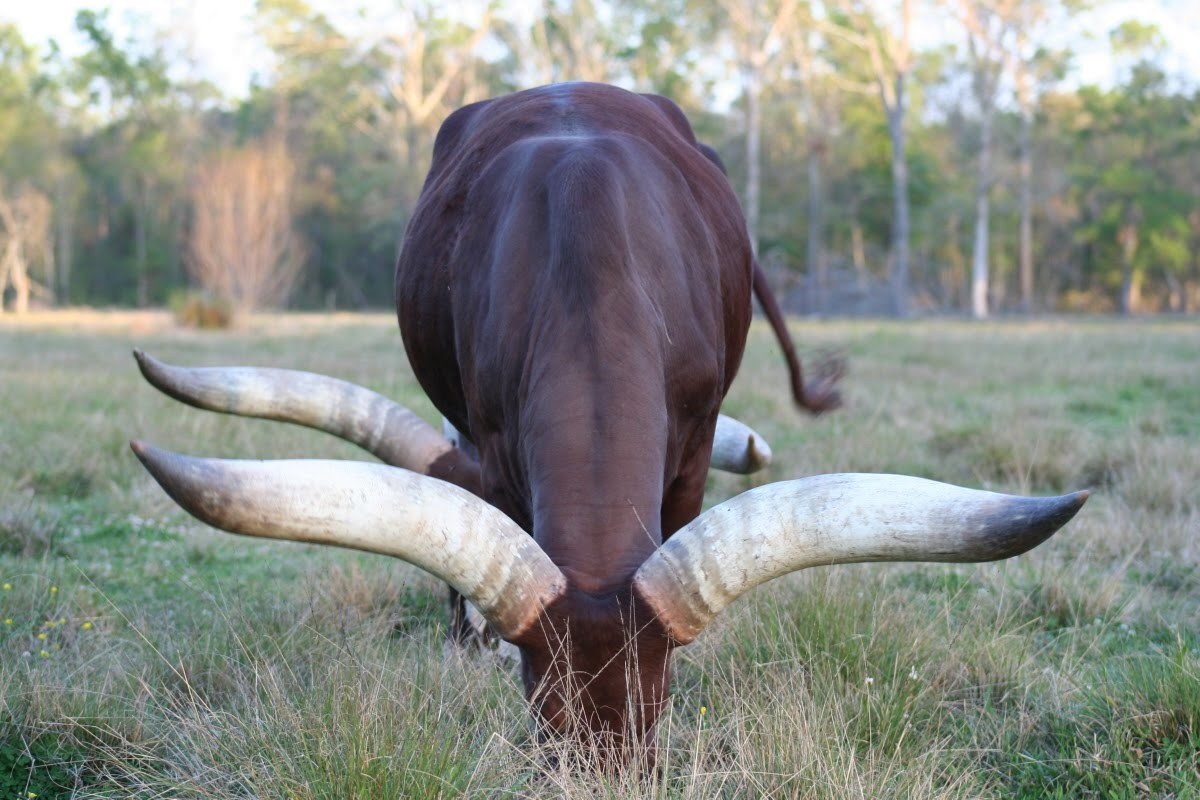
(989, 27)
(821, 90)
(33, 126)
(573, 41)
(1035, 66)
(135, 158)
(363, 110)
(243, 247)
(890, 55)
(1139, 151)
(1135, 182)
(757, 30)
(25, 241)
(667, 48)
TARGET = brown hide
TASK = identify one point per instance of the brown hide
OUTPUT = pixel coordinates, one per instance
(574, 296)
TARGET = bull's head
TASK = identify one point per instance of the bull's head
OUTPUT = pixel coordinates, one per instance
(599, 663)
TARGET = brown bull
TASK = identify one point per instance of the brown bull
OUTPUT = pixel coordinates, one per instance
(574, 295)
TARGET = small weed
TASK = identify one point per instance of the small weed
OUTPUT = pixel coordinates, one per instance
(197, 309)
(30, 531)
(37, 766)
(71, 483)
(1171, 576)
(129, 531)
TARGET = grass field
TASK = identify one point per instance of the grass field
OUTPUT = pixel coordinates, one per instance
(145, 655)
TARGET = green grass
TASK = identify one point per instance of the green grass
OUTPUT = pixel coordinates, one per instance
(149, 656)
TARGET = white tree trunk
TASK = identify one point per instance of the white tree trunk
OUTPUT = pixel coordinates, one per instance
(1026, 195)
(1025, 172)
(813, 255)
(900, 230)
(979, 260)
(753, 151)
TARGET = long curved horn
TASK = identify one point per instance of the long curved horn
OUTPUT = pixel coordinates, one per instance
(834, 519)
(379, 425)
(440, 528)
(382, 427)
(738, 448)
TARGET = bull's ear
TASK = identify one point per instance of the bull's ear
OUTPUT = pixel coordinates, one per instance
(439, 527)
(834, 519)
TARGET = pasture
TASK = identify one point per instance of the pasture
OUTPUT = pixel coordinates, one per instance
(143, 654)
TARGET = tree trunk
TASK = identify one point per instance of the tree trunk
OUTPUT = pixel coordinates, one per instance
(141, 250)
(5, 269)
(979, 259)
(1025, 170)
(753, 148)
(858, 251)
(1174, 293)
(813, 254)
(900, 229)
(64, 213)
(1127, 238)
(18, 275)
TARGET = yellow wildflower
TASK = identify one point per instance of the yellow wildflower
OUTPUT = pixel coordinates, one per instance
(42, 636)
(62, 620)
(8, 621)
(87, 626)
(53, 590)
(7, 586)
(44, 653)
(703, 710)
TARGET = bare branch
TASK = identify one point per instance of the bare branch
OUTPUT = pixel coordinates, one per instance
(243, 246)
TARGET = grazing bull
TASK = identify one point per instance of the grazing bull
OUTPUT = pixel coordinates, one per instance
(574, 296)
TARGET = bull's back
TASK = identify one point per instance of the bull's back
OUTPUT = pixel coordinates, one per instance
(561, 208)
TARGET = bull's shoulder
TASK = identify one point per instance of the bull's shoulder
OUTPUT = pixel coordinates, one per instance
(674, 115)
(455, 129)
(712, 155)
(679, 120)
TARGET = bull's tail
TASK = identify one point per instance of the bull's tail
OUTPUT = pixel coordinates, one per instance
(818, 395)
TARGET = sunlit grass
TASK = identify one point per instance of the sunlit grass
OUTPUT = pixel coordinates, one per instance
(183, 662)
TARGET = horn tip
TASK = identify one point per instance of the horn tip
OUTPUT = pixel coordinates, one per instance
(763, 450)
(148, 365)
(1023, 523)
(758, 453)
(146, 453)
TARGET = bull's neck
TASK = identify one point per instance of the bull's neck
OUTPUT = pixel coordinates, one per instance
(595, 446)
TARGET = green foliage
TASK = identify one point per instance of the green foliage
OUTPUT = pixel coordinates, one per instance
(39, 768)
(29, 531)
(1133, 733)
(112, 135)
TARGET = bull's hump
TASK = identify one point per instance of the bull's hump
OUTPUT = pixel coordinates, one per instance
(576, 108)
(570, 109)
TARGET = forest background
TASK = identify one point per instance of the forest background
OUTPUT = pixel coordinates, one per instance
(902, 157)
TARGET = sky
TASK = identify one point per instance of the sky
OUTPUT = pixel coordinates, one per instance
(219, 33)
